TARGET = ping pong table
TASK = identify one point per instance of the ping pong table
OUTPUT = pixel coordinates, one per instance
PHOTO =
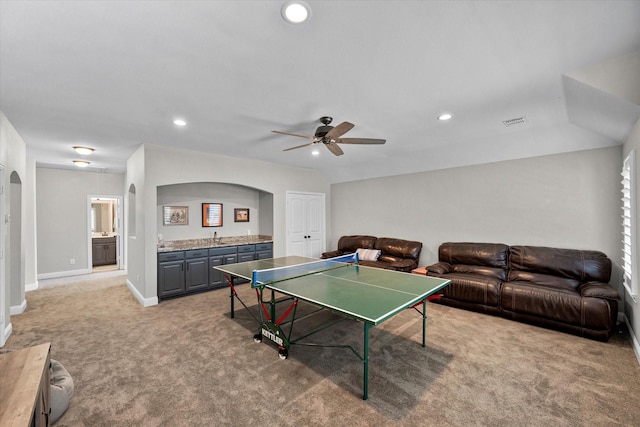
(366, 294)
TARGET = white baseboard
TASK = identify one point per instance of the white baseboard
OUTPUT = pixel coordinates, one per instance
(31, 287)
(18, 309)
(57, 274)
(634, 342)
(7, 333)
(145, 302)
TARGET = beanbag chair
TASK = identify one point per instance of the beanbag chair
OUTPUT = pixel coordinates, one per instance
(61, 390)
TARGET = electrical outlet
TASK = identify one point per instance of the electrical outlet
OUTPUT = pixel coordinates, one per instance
(72, 261)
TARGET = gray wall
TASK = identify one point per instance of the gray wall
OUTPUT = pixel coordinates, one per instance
(62, 197)
(568, 200)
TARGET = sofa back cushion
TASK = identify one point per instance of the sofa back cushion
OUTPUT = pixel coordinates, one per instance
(397, 249)
(487, 259)
(563, 268)
(350, 244)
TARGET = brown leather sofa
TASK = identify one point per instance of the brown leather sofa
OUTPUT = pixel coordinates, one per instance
(564, 289)
(395, 254)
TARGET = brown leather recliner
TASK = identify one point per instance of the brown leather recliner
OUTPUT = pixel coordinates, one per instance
(564, 289)
(395, 254)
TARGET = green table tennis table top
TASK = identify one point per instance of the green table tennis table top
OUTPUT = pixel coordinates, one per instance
(364, 293)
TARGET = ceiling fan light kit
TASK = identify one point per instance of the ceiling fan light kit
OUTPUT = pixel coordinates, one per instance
(330, 136)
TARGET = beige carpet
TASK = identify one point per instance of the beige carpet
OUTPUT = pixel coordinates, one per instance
(186, 363)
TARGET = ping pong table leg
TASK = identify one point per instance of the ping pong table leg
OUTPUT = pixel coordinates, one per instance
(424, 322)
(365, 387)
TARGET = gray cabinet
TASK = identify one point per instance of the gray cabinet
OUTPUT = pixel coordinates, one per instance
(171, 280)
(103, 251)
(185, 272)
(196, 270)
(264, 250)
(246, 253)
(217, 257)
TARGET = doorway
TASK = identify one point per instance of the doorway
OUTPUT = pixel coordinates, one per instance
(105, 240)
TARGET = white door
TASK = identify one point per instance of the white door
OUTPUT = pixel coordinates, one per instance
(305, 224)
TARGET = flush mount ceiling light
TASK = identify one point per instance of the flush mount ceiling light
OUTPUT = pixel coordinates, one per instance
(445, 116)
(84, 151)
(81, 163)
(179, 122)
(295, 12)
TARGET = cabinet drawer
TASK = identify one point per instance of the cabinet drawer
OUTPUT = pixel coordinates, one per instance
(264, 247)
(246, 248)
(170, 256)
(197, 253)
(227, 250)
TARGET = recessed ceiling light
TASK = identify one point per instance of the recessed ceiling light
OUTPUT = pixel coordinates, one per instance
(315, 152)
(179, 122)
(296, 12)
(81, 163)
(445, 116)
(85, 151)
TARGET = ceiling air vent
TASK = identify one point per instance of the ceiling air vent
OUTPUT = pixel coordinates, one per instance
(515, 122)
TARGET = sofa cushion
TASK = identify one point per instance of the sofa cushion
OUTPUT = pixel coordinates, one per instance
(398, 248)
(495, 256)
(472, 288)
(579, 265)
(545, 280)
(561, 305)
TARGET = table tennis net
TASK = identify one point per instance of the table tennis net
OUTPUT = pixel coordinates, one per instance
(280, 274)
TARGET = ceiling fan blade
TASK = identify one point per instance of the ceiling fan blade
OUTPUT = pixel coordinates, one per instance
(360, 141)
(299, 146)
(293, 134)
(333, 147)
(339, 130)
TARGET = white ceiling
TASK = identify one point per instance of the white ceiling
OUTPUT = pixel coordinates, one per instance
(113, 75)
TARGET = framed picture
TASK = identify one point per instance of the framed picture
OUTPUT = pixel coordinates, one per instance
(175, 215)
(212, 214)
(241, 215)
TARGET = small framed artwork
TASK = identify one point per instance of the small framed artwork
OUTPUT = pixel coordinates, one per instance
(175, 215)
(241, 215)
(212, 214)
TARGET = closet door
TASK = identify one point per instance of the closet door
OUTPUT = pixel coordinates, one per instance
(305, 224)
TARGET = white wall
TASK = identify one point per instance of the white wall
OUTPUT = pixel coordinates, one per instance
(13, 160)
(63, 233)
(631, 306)
(154, 166)
(567, 200)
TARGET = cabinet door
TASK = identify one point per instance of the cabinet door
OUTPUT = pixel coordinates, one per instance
(170, 278)
(197, 275)
(98, 254)
(110, 253)
(216, 278)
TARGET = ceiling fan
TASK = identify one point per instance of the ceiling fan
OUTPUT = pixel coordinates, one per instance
(330, 136)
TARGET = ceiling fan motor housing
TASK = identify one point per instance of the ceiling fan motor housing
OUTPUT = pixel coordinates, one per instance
(322, 131)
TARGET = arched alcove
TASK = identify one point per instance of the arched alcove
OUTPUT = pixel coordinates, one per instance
(234, 198)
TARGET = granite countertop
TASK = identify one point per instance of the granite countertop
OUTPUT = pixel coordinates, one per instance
(209, 242)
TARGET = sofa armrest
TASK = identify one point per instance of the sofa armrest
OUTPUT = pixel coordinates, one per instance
(440, 268)
(599, 290)
(330, 254)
